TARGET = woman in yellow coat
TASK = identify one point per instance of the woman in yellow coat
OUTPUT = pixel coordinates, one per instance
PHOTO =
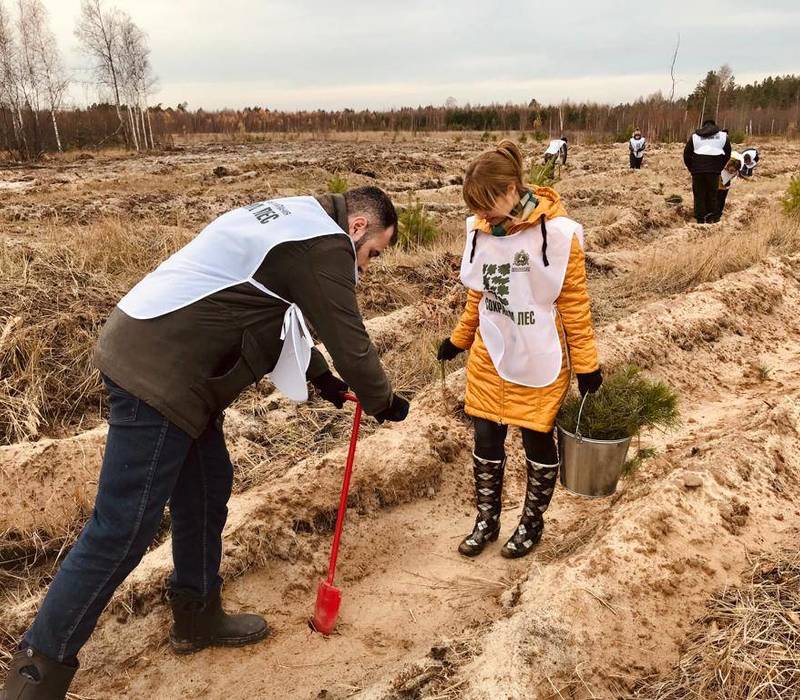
(528, 325)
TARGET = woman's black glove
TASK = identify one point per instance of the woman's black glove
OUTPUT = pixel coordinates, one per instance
(330, 388)
(395, 412)
(447, 351)
(590, 382)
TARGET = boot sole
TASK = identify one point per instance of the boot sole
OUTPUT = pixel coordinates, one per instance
(184, 647)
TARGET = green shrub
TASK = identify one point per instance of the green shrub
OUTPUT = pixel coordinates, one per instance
(544, 175)
(416, 227)
(487, 136)
(738, 136)
(626, 403)
(523, 138)
(791, 201)
(337, 184)
(539, 135)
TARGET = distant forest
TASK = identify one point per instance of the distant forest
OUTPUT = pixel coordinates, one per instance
(770, 107)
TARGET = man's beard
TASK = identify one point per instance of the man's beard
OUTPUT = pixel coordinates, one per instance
(359, 244)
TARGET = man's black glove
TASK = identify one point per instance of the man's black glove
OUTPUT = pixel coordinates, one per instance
(396, 411)
(590, 382)
(330, 388)
(447, 351)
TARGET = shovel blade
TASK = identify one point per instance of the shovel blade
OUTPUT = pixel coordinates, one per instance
(326, 611)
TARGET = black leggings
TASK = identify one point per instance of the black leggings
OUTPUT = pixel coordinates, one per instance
(490, 438)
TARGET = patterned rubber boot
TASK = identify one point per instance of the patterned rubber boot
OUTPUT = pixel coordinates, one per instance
(488, 493)
(541, 482)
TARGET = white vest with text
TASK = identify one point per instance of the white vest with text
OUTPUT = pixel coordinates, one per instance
(637, 145)
(228, 252)
(710, 145)
(518, 310)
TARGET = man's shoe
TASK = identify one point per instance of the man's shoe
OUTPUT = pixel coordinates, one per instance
(201, 622)
(32, 676)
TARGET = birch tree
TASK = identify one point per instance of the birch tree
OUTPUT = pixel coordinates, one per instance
(29, 65)
(10, 81)
(138, 77)
(98, 31)
(41, 61)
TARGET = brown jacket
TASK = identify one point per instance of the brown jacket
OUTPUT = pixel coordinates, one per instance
(193, 362)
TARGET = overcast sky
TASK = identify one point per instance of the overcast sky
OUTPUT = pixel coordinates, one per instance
(292, 54)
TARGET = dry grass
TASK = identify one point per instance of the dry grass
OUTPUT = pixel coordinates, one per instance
(749, 646)
(59, 292)
(403, 277)
(681, 266)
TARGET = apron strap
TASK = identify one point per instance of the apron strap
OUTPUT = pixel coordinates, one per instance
(474, 244)
(294, 317)
(544, 241)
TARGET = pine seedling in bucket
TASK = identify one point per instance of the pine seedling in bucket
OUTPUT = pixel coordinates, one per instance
(594, 432)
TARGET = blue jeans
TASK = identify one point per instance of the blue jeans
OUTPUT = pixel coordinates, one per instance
(148, 463)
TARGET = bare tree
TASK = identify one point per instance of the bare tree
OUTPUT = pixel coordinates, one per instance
(138, 79)
(10, 82)
(724, 83)
(40, 44)
(98, 31)
(672, 67)
(29, 21)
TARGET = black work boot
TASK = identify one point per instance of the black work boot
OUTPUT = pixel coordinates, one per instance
(32, 676)
(201, 622)
(488, 492)
(539, 491)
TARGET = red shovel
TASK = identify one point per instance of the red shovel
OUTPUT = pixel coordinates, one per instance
(329, 598)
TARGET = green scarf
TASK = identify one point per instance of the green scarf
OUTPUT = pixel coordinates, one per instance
(522, 209)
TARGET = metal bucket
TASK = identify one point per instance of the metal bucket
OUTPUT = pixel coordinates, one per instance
(590, 467)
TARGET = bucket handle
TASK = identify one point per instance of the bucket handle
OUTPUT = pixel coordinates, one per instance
(578, 425)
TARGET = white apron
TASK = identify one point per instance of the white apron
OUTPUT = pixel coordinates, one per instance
(228, 252)
(637, 145)
(554, 147)
(517, 314)
(710, 145)
(753, 153)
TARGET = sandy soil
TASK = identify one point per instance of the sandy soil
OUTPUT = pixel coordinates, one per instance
(613, 591)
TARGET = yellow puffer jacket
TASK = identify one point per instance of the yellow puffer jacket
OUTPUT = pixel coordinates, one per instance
(488, 396)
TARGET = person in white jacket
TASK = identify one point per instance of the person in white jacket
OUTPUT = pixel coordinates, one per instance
(636, 147)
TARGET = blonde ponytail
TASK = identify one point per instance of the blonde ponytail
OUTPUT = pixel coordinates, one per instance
(490, 174)
(510, 150)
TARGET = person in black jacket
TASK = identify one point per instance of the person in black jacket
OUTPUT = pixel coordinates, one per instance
(706, 153)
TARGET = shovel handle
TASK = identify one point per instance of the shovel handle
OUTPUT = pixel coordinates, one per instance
(351, 456)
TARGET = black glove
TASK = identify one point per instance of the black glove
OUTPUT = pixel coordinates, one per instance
(590, 382)
(447, 351)
(396, 411)
(330, 388)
